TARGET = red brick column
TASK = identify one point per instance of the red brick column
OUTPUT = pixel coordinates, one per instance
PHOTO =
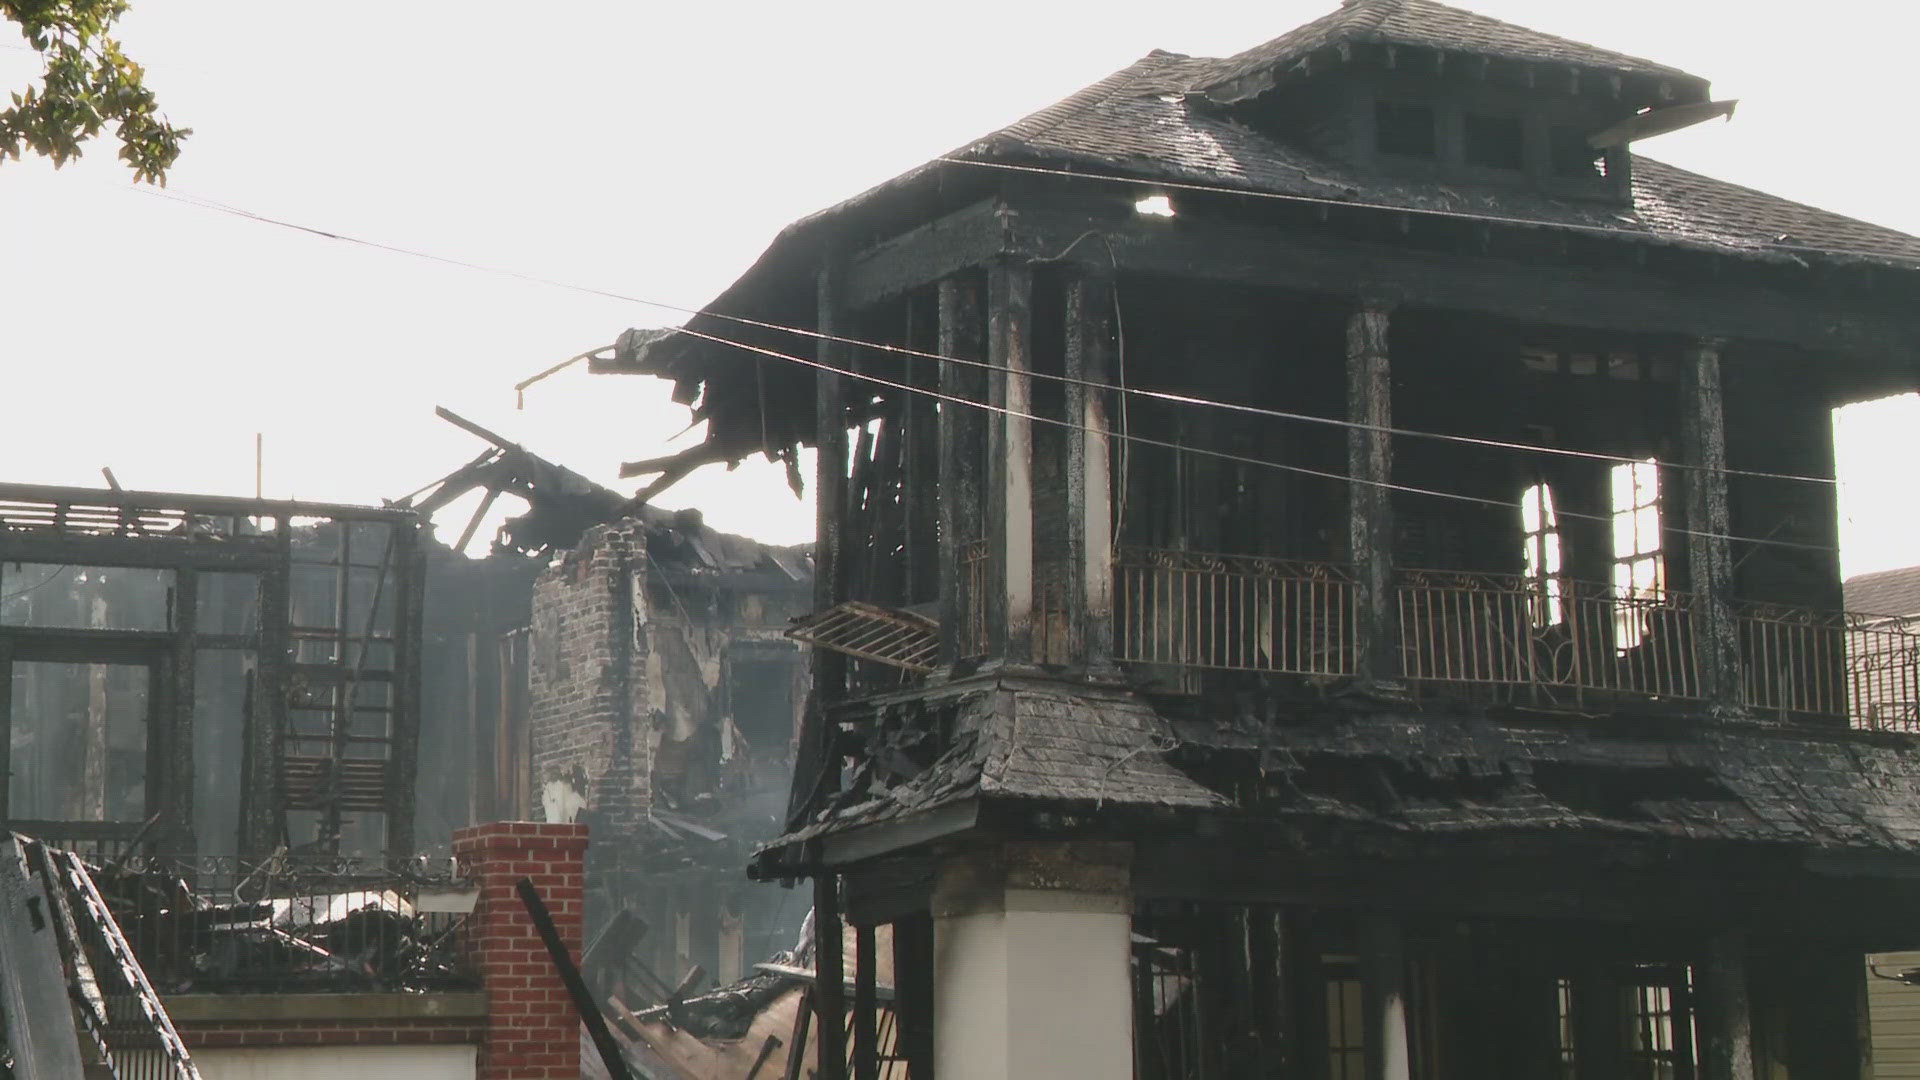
(532, 1031)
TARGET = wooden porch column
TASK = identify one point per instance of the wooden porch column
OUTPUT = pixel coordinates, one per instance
(1383, 973)
(962, 433)
(177, 785)
(1089, 481)
(866, 1039)
(830, 475)
(1370, 505)
(262, 816)
(1726, 1015)
(830, 977)
(1709, 556)
(1010, 460)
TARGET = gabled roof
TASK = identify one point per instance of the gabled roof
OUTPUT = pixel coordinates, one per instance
(1149, 122)
(1888, 592)
(1421, 24)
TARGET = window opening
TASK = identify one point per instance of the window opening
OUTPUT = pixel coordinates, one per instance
(1405, 129)
(1541, 527)
(1659, 1036)
(1346, 1019)
(1572, 158)
(1639, 573)
(1569, 1048)
(1495, 142)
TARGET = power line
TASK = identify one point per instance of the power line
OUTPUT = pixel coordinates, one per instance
(1225, 456)
(906, 388)
(901, 350)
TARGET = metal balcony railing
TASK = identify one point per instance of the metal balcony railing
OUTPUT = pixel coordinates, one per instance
(1234, 613)
(1571, 644)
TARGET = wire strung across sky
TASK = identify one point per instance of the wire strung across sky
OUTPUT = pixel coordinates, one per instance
(207, 204)
(1166, 396)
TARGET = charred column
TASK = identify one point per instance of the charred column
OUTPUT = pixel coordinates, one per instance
(1370, 506)
(1726, 1018)
(1709, 558)
(1384, 984)
(962, 429)
(1089, 485)
(1010, 460)
(830, 977)
(830, 475)
(866, 1040)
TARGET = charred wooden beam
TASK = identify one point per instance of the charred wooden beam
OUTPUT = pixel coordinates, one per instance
(913, 992)
(6, 725)
(920, 466)
(1010, 460)
(829, 984)
(1709, 555)
(962, 456)
(866, 1040)
(1369, 502)
(1089, 341)
(966, 238)
(1560, 294)
(1726, 1019)
(1383, 972)
(830, 473)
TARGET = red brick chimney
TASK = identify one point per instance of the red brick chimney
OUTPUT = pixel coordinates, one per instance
(532, 1031)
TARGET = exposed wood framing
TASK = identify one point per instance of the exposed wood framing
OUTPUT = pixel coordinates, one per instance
(962, 458)
(921, 423)
(1726, 1020)
(262, 815)
(866, 1043)
(967, 238)
(1089, 341)
(409, 599)
(1709, 556)
(1010, 460)
(177, 730)
(1369, 503)
(830, 977)
(830, 475)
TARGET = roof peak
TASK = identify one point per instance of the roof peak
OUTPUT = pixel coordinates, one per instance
(1425, 24)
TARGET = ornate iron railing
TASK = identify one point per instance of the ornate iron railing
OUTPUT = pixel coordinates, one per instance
(1501, 629)
(1234, 613)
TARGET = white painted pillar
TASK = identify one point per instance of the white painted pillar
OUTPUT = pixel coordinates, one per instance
(1033, 963)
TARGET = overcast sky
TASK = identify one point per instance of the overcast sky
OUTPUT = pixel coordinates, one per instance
(653, 149)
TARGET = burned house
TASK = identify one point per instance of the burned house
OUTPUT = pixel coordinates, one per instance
(1327, 568)
(662, 700)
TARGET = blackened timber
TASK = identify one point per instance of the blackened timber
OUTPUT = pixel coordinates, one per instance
(921, 467)
(962, 459)
(1572, 296)
(148, 552)
(829, 983)
(1383, 972)
(866, 1046)
(1709, 556)
(409, 596)
(6, 726)
(1726, 1017)
(913, 992)
(1010, 461)
(1369, 502)
(177, 734)
(830, 474)
(939, 249)
(1089, 340)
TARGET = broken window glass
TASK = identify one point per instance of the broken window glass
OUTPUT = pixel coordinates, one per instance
(1639, 572)
(1541, 527)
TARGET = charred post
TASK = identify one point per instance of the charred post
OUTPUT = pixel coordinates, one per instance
(1369, 497)
(962, 458)
(1089, 337)
(1709, 554)
(1010, 460)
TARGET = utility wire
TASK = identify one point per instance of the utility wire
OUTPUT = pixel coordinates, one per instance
(901, 350)
(1225, 456)
(906, 388)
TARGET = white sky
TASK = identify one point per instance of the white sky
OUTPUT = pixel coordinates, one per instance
(653, 150)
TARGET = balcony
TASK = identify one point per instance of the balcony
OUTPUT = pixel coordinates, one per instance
(1490, 637)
